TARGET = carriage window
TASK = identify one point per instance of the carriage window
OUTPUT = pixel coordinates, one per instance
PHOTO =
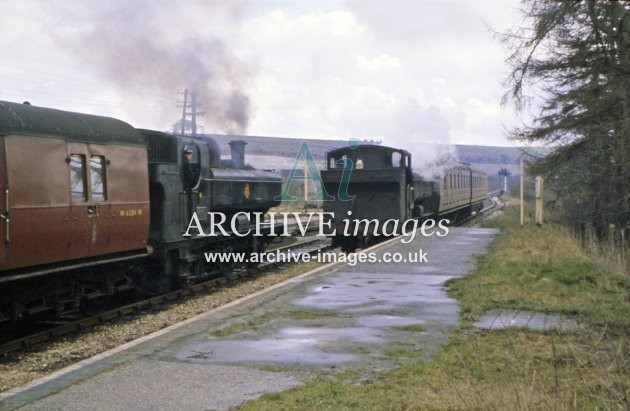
(77, 177)
(359, 163)
(331, 162)
(396, 159)
(97, 178)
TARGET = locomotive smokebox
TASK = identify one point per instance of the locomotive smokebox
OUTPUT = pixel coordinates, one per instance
(238, 152)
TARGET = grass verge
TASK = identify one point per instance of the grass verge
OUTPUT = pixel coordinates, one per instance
(527, 268)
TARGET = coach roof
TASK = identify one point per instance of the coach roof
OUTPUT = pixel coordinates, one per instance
(38, 121)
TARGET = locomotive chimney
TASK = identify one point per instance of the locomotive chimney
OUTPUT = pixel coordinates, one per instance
(238, 152)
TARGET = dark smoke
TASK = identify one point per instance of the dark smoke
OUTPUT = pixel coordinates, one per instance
(147, 47)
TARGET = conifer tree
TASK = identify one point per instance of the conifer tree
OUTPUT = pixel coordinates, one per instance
(572, 59)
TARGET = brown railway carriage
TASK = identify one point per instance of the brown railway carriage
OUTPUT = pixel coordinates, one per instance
(73, 187)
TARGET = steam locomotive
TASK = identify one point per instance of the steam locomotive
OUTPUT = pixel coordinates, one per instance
(90, 207)
(382, 186)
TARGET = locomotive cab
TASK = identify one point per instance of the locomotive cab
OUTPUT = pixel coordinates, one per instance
(380, 186)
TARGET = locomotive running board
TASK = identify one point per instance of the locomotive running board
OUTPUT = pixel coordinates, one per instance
(70, 267)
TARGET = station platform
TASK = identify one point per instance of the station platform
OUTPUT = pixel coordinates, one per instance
(337, 318)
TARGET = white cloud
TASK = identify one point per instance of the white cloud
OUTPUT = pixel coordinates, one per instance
(380, 62)
(326, 68)
(280, 26)
(478, 111)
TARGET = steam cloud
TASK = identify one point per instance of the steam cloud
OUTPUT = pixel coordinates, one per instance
(139, 46)
(425, 133)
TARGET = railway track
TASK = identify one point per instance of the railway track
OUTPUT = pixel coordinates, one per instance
(495, 205)
(309, 246)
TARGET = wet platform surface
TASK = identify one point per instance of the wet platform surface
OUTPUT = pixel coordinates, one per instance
(342, 318)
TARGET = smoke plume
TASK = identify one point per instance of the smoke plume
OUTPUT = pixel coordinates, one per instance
(159, 48)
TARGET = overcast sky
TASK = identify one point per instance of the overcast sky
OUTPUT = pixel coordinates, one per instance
(402, 71)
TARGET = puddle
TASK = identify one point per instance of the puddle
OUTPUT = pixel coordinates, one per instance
(283, 350)
(387, 321)
(500, 319)
(353, 334)
(378, 291)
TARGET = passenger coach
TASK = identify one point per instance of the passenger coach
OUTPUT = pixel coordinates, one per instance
(74, 186)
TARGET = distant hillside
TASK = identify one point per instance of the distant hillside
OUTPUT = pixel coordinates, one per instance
(279, 154)
(288, 147)
(276, 146)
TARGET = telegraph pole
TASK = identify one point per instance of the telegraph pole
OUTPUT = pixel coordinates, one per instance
(184, 105)
(539, 200)
(193, 114)
(522, 189)
(189, 109)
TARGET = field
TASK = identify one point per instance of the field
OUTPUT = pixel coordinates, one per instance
(528, 268)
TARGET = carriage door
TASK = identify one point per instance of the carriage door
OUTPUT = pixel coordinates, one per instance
(98, 207)
(80, 211)
(4, 204)
(88, 231)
